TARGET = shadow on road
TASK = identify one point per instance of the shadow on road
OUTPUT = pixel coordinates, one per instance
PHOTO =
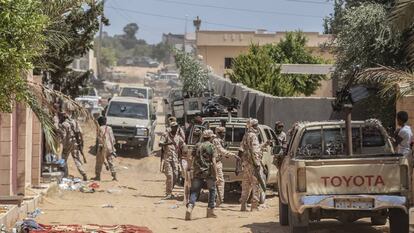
(267, 227)
(327, 226)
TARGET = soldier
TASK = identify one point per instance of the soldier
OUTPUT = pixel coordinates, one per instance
(218, 142)
(172, 145)
(252, 156)
(204, 171)
(106, 149)
(280, 134)
(180, 130)
(71, 134)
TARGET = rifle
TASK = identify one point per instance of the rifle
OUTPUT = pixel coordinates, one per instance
(79, 141)
(257, 171)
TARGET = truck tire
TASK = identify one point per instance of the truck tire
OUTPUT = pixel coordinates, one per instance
(298, 223)
(283, 213)
(398, 221)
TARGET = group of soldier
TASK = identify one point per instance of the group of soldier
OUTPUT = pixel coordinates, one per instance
(71, 137)
(203, 168)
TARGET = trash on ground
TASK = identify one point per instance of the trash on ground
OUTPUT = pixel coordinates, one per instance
(85, 189)
(35, 213)
(128, 187)
(113, 191)
(27, 225)
(107, 206)
(159, 202)
(71, 184)
(174, 206)
(93, 228)
(94, 185)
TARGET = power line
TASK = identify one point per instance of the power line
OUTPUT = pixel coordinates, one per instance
(311, 2)
(238, 9)
(179, 18)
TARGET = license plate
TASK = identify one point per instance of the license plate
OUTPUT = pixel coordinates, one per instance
(122, 142)
(354, 203)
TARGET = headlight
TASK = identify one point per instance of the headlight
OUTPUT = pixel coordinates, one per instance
(142, 132)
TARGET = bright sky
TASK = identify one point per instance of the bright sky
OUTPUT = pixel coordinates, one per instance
(155, 17)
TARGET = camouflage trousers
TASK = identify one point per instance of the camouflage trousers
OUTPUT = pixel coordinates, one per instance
(170, 170)
(250, 184)
(220, 182)
(101, 156)
(71, 149)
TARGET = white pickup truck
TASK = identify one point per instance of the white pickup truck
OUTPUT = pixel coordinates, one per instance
(318, 180)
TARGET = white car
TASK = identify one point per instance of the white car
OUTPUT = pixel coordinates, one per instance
(91, 101)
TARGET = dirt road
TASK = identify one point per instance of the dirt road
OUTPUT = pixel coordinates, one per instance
(136, 199)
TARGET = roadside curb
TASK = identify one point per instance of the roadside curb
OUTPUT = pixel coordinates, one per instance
(29, 204)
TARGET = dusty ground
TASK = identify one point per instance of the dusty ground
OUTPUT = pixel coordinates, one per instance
(137, 200)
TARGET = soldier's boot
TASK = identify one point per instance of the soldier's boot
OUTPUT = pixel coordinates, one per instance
(255, 207)
(218, 202)
(243, 207)
(85, 177)
(114, 176)
(189, 211)
(96, 178)
(210, 213)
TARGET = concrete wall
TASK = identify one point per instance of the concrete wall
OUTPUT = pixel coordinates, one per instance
(269, 109)
(5, 153)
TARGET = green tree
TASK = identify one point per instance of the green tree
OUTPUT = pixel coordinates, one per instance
(193, 74)
(109, 58)
(260, 67)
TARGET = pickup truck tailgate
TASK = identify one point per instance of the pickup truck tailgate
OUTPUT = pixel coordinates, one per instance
(357, 177)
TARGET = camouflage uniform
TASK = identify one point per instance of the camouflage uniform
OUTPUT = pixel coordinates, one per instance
(69, 145)
(221, 152)
(106, 151)
(171, 154)
(252, 157)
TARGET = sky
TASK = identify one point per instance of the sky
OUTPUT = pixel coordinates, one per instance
(155, 17)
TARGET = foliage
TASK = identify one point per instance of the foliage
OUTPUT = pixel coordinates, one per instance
(78, 25)
(192, 72)
(260, 67)
(108, 58)
(21, 40)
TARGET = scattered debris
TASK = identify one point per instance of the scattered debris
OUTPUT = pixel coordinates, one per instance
(27, 225)
(174, 207)
(107, 206)
(159, 202)
(35, 213)
(113, 191)
(94, 185)
(128, 187)
(93, 228)
(71, 184)
(85, 189)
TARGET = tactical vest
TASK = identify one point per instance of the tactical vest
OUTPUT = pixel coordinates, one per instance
(203, 163)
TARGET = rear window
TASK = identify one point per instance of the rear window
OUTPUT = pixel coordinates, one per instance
(134, 92)
(128, 110)
(366, 140)
(234, 136)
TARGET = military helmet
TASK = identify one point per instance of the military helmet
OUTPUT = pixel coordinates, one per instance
(254, 122)
(174, 124)
(208, 133)
(220, 130)
(279, 124)
(172, 119)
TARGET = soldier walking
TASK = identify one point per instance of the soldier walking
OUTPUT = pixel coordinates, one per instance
(71, 141)
(180, 130)
(252, 155)
(172, 145)
(280, 134)
(105, 150)
(204, 171)
(218, 142)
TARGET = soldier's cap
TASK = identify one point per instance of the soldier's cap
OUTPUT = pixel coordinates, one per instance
(172, 119)
(254, 122)
(220, 130)
(173, 124)
(208, 133)
(279, 123)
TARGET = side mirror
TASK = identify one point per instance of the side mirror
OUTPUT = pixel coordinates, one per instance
(276, 149)
(165, 101)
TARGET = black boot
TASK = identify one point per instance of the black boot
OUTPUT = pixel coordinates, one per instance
(96, 178)
(114, 176)
(85, 178)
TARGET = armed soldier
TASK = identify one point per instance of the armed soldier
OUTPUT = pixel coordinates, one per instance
(172, 145)
(105, 150)
(180, 130)
(71, 142)
(204, 171)
(218, 142)
(252, 155)
(281, 135)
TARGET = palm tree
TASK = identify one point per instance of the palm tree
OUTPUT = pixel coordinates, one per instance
(391, 79)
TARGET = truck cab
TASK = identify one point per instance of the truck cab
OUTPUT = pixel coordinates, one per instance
(133, 121)
(318, 180)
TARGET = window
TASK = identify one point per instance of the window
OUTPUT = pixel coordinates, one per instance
(128, 110)
(228, 62)
(134, 92)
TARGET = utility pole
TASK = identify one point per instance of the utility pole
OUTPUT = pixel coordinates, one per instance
(185, 32)
(99, 46)
(197, 24)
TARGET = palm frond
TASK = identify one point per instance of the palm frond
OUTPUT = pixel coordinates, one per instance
(391, 81)
(402, 14)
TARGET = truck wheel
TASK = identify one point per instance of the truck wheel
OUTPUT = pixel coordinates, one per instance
(145, 151)
(398, 221)
(379, 220)
(298, 223)
(283, 213)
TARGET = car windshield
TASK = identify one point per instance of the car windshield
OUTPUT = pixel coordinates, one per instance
(134, 92)
(331, 142)
(128, 110)
(88, 92)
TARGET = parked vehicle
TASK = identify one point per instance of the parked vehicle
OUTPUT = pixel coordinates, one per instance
(91, 101)
(318, 180)
(137, 92)
(133, 121)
